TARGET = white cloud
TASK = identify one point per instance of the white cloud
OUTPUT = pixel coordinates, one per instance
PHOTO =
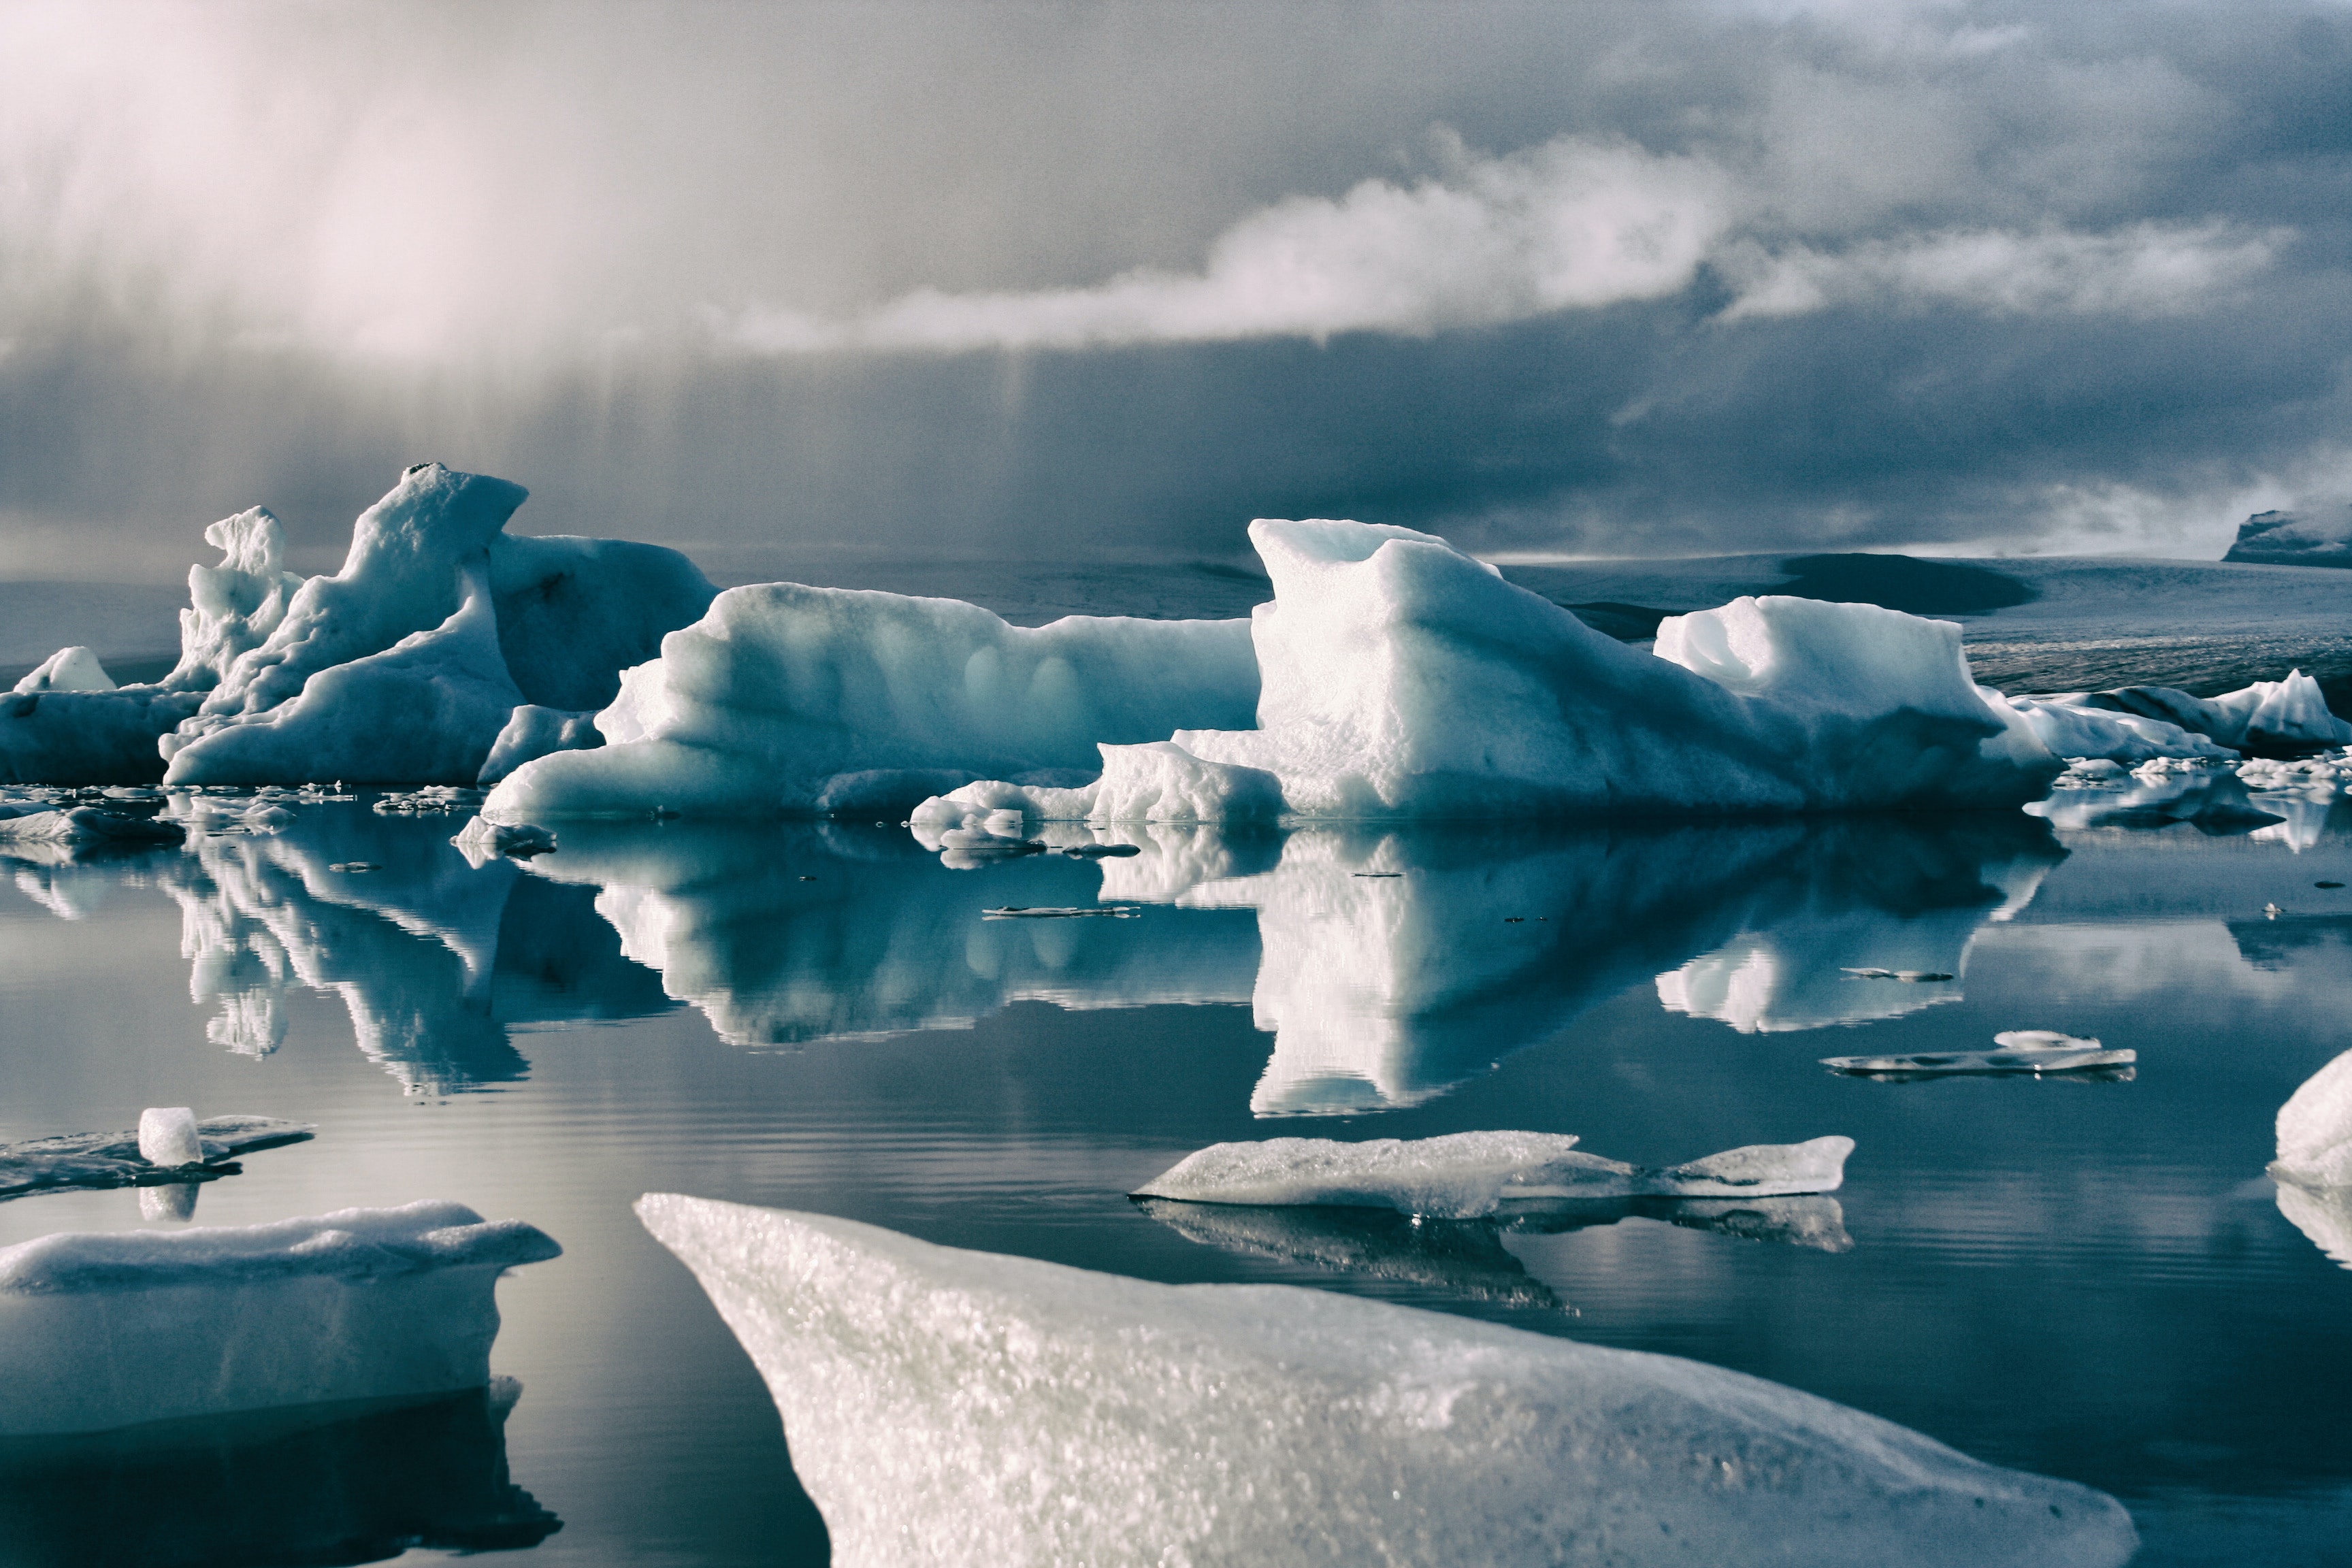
(1570, 223)
(2147, 270)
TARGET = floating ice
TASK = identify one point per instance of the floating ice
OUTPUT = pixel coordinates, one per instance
(952, 1406)
(2073, 729)
(2272, 718)
(404, 666)
(1404, 678)
(167, 1136)
(786, 699)
(1468, 1175)
(2314, 1130)
(83, 824)
(481, 840)
(69, 670)
(125, 1159)
(108, 1329)
(2021, 1051)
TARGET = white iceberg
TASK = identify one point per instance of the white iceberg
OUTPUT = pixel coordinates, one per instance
(1469, 1175)
(2314, 1130)
(945, 1406)
(2069, 729)
(2288, 718)
(69, 670)
(1402, 677)
(406, 665)
(115, 1329)
(82, 824)
(792, 700)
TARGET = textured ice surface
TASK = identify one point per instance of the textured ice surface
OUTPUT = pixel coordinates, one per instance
(1468, 1175)
(2271, 717)
(480, 839)
(2314, 1130)
(2071, 729)
(1402, 677)
(167, 1136)
(945, 1406)
(111, 1328)
(404, 666)
(786, 699)
(533, 731)
(2293, 539)
(120, 1159)
(69, 670)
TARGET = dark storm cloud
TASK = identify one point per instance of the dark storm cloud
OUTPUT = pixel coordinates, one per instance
(1028, 280)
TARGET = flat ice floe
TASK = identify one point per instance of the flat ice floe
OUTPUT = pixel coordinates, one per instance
(945, 1406)
(130, 1159)
(114, 1328)
(2020, 1051)
(1469, 1175)
(1402, 677)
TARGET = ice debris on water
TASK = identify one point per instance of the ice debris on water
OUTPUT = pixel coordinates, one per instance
(938, 1398)
(1469, 1176)
(1022, 912)
(2021, 1051)
(115, 1329)
(169, 1145)
(83, 824)
(482, 840)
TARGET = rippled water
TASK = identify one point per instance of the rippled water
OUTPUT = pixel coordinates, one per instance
(2088, 1280)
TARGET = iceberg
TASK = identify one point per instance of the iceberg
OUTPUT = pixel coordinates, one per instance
(407, 666)
(1402, 677)
(311, 1485)
(786, 699)
(2288, 718)
(946, 1406)
(2314, 1130)
(1470, 1175)
(2292, 539)
(133, 1158)
(115, 1329)
(69, 670)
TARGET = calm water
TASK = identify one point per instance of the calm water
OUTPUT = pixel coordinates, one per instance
(2087, 1279)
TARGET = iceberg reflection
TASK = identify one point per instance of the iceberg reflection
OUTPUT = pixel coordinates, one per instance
(312, 1485)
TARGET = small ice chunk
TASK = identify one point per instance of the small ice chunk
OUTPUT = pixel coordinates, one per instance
(84, 824)
(1466, 1176)
(2314, 1130)
(167, 1136)
(114, 1159)
(482, 840)
(938, 1398)
(117, 1328)
(2021, 1051)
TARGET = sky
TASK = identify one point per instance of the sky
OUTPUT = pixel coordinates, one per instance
(1044, 281)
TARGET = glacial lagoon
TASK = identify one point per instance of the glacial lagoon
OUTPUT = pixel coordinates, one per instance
(2085, 1277)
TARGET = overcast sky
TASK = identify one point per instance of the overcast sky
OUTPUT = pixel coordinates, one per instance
(957, 279)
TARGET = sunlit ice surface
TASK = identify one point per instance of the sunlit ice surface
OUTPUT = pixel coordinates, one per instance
(2086, 1278)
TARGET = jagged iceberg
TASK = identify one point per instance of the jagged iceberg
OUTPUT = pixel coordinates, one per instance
(1402, 677)
(157, 1151)
(1469, 1175)
(949, 1407)
(115, 1329)
(791, 700)
(2288, 718)
(406, 665)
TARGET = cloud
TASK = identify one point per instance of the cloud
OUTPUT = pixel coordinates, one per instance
(2147, 270)
(1571, 223)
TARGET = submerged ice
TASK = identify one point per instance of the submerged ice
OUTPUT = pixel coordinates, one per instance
(949, 1407)
(1469, 1175)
